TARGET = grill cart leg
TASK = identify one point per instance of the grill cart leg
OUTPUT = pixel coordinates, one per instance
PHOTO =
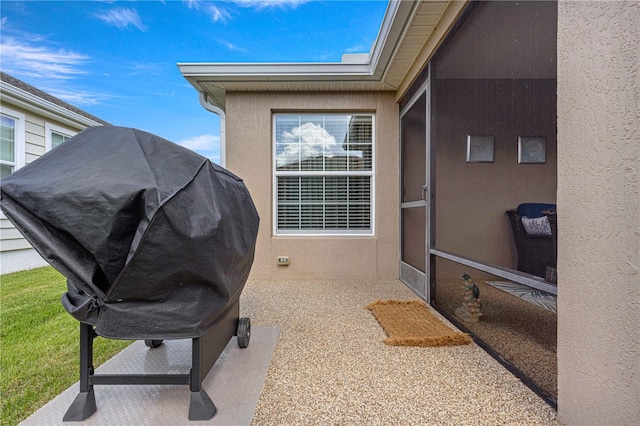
(205, 351)
(200, 406)
(84, 406)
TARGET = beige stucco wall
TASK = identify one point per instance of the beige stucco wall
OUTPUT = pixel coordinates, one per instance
(599, 219)
(249, 155)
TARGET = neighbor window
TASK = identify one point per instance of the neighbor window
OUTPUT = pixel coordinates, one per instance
(56, 135)
(324, 170)
(11, 141)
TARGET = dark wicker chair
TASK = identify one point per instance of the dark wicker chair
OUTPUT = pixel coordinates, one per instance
(553, 221)
(552, 274)
(535, 252)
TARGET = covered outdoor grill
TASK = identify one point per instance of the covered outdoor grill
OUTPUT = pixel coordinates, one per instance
(156, 242)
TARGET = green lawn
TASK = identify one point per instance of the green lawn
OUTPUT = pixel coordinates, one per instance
(39, 343)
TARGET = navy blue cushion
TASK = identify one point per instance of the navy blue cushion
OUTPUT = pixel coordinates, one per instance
(532, 210)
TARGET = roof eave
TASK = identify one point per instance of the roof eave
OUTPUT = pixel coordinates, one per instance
(373, 69)
(393, 27)
(43, 107)
(267, 71)
(199, 73)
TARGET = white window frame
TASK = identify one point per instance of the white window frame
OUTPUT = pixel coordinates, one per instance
(49, 129)
(20, 144)
(372, 174)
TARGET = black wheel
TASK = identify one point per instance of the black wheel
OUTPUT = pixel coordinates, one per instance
(244, 332)
(153, 343)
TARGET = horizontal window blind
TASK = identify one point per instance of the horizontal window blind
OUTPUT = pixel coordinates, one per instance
(323, 174)
(324, 203)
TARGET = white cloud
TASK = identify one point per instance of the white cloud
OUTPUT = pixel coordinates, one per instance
(52, 68)
(122, 18)
(78, 97)
(40, 61)
(201, 143)
(361, 48)
(216, 13)
(263, 4)
(205, 145)
(232, 46)
(306, 141)
(146, 68)
(223, 14)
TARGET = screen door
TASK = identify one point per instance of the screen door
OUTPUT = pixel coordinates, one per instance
(414, 191)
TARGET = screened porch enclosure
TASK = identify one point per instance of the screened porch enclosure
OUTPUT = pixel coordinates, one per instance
(478, 138)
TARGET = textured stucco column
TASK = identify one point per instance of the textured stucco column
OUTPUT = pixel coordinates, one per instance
(598, 206)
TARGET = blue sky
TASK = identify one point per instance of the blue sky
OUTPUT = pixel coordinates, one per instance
(117, 59)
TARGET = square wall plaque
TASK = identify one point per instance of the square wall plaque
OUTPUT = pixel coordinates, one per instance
(531, 150)
(480, 149)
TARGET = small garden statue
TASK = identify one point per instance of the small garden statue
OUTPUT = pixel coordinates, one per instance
(471, 309)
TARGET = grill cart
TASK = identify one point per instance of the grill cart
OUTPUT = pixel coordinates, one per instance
(156, 243)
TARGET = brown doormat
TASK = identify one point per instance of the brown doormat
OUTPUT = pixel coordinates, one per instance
(409, 323)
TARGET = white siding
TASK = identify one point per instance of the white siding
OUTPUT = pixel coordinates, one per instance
(34, 137)
(9, 236)
(20, 260)
(13, 246)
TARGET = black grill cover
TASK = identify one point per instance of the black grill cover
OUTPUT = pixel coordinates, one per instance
(156, 241)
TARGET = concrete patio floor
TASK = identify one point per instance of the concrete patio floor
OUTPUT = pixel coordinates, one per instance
(330, 366)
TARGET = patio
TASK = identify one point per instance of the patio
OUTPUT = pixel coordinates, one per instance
(330, 366)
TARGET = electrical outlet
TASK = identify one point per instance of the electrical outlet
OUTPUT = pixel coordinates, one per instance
(282, 260)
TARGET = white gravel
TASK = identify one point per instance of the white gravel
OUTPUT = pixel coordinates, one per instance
(331, 366)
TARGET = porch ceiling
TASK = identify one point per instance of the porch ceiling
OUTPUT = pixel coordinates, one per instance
(409, 34)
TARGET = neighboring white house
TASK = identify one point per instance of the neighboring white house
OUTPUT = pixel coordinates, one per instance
(33, 122)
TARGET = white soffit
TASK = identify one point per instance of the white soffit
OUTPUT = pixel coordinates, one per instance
(406, 29)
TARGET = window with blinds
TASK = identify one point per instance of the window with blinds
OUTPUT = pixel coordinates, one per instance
(11, 141)
(323, 174)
